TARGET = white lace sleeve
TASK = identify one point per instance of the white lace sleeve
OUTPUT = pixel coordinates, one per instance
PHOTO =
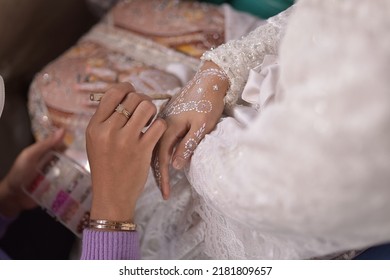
(310, 175)
(237, 57)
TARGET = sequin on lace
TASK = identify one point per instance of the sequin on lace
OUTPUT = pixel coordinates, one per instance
(237, 57)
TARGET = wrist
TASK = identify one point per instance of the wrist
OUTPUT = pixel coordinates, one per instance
(113, 211)
(219, 86)
(208, 64)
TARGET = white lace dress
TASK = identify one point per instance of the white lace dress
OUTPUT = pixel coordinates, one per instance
(309, 175)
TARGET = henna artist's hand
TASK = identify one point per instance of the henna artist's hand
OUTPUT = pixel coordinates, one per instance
(13, 200)
(119, 152)
(190, 115)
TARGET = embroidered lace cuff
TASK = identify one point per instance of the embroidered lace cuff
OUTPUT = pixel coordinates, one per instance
(237, 57)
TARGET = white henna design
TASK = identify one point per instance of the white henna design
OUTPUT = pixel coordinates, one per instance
(192, 143)
(180, 104)
(157, 173)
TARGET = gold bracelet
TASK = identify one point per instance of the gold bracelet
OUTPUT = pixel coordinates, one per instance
(112, 225)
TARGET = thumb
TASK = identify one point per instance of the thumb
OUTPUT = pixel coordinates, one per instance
(52, 141)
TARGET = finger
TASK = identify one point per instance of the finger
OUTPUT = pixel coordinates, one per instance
(154, 132)
(142, 115)
(38, 149)
(167, 143)
(187, 146)
(129, 104)
(153, 118)
(156, 168)
(110, 101)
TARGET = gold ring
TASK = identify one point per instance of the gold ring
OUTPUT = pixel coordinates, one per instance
(122, 110)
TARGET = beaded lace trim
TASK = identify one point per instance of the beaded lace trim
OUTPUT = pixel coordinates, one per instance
(237, 57)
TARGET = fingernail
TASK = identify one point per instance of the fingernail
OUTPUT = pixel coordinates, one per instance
(178, 162)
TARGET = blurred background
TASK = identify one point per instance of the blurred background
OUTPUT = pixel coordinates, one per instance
(33, 33)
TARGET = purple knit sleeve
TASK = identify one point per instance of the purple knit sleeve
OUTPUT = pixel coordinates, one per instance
(110, 245)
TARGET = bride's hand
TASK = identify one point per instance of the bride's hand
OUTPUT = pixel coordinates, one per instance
(190, 115)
